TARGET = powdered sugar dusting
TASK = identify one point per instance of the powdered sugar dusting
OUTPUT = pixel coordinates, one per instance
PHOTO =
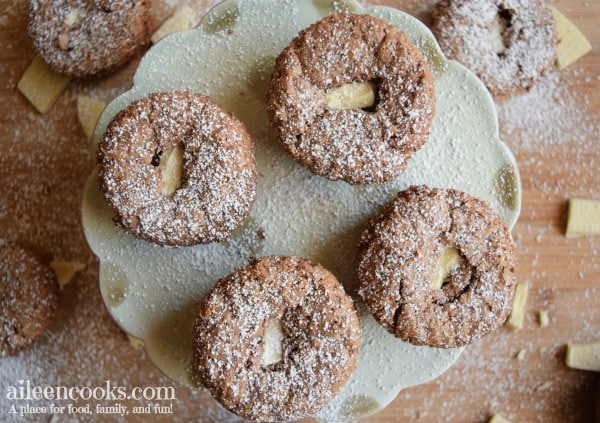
(80, 38)
(219, 175)
(358, 146)
(507, 43)
(85, 347)
(320, 342)
(399, 252)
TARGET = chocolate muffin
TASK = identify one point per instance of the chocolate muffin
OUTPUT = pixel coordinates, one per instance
(276, 340)
(368, 143)
(81, 38)
(29, 295)
(437, 267)
(214, 189)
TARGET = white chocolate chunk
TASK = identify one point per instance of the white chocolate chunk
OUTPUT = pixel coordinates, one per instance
(543, 387)
(356, 95)
(171, 167)
(520, 355)
(180, 21)
(88, 112)
(74, 17)
(447, 262)
(572, 44)
(517, 314)
(584, 218)
(543, 318)
(273, 343)
(135, 342)
(41, 85)
(584, 356)
(496, 31)
(497, 418)
(65, 270)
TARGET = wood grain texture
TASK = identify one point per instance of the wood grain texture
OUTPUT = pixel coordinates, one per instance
(45, 160)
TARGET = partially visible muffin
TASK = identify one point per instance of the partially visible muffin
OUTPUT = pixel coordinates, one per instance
(507, 43)
(83, 38)
(29, 294)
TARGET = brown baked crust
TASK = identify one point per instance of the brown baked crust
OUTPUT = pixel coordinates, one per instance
(320, 347)
(358, 146)
(399, 252)
(29, 294)
(463, 29)
(219, 172)
(109, 34)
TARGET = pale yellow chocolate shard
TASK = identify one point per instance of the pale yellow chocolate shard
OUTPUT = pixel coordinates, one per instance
(521, 355)
(584, 218)
(135, 342)
(543, 318)
(517, 314)
(41, 85)
(180, 21)
(65, 270)
(88, 112)
(357, 95)
(497, 418)
(544, 386)
(572, 44)
(497, 28)
(75, 16)
(447, 262)
(273, 343)
(171, 167)
(584, 356)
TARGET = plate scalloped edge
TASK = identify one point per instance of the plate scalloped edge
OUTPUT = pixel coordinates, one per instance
(151, 291)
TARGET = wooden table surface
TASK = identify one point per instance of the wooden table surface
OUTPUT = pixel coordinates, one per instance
(553, 131)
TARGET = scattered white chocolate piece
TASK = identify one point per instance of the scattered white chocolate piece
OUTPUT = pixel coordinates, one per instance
(520, 355)
(356, 95)
(447, 262)
(171, 167)
(41, 85)
(572, 44)
(515, 319)
(180, 21)
(88, 112)
(497, 418)
(273, 343)
(65, 270)
(584, 356)
(584, 218)
(543, 318)
(135, 342)
(543, 387)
